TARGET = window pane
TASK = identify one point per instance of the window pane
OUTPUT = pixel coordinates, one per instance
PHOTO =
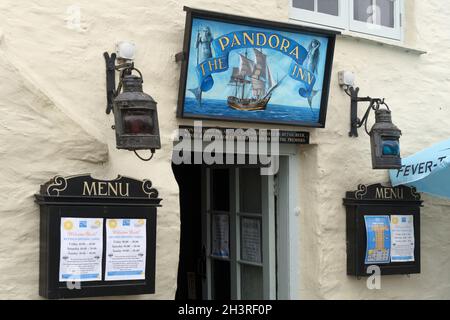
(362, 10)
(328, 7)
(251, 282)
(221, 280)
(386, 8)
(250, 190)
(379, 12)
(304, 4)
(220, 189)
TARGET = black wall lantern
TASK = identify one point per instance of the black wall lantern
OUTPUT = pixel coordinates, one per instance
(135, 113)
(384, 135)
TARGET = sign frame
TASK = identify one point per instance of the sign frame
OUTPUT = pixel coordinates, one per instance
(253, 22)
(68, 197)
(379, 200)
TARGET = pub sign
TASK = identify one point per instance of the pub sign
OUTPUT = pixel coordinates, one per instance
(243, 69)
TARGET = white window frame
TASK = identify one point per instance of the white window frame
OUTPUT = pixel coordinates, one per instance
(378, 30)
(345, 21)
(324, 19)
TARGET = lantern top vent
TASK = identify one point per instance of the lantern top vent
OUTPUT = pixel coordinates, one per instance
(132, 83)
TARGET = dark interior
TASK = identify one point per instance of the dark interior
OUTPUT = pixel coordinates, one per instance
(190, 266)
(192, 260)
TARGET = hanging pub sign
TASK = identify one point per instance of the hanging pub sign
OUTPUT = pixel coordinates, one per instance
(251, 70)
(97, 237)
(383, 230)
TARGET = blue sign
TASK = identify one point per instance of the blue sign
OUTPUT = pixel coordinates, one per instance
(378, 239)
(259, 74)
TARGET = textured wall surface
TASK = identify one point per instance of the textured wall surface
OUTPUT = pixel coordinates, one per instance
(416, 89)
(52, 101)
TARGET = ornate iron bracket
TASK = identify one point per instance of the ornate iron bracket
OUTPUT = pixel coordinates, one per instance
(111, 68)
(355, 122)
(110, 80)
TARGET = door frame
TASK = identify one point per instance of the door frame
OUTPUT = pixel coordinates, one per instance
(288, 223)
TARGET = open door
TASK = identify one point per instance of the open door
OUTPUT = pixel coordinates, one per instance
(238, 233)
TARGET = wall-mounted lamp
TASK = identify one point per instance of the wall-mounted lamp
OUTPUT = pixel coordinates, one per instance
(384, 135)
(135, 113)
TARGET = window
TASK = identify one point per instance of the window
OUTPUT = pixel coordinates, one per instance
(375, 17)
(324, 12)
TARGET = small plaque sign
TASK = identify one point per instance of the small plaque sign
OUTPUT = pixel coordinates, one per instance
(239, 134)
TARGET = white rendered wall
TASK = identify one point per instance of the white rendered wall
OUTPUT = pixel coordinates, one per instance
(52, 101)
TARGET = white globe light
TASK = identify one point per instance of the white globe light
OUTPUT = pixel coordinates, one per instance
(125, 50)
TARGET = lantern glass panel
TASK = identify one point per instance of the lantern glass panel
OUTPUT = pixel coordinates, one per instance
(391, 147)
(137, 121)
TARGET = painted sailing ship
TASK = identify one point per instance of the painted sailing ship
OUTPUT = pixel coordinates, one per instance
(253, 75)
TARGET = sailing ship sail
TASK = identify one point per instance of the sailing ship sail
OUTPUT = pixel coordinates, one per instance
(255, 74)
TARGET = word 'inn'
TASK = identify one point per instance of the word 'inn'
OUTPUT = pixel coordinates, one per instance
(117, 189)
(389, 193)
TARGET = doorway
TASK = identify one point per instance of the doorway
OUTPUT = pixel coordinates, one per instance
(234, 241)
(238, 220)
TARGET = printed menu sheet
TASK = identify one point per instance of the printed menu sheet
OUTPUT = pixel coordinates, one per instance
(402, 236)
(81, 249)
(125, 249)
(220, 236)
(251, 240)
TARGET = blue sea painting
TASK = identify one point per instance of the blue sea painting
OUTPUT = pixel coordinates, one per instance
(252, 73)
(278, 112)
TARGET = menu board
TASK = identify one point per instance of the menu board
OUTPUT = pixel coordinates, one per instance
(125, 249)
(251, 240)
(81, 249)
(378, 239)
(402, 236)
(220, 235)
